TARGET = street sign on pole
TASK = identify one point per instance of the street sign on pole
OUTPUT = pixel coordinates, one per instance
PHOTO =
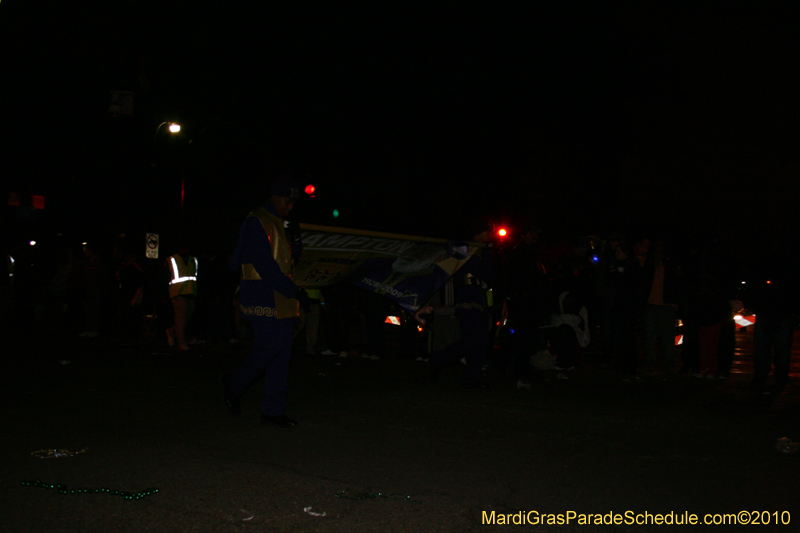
(151, 250)
(121, 104)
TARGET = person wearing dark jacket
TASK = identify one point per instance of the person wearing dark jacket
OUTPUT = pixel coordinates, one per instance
(268, 301)
(623, 306)
(772, 293)
(661, 290)
(528, 297)
(474, 278)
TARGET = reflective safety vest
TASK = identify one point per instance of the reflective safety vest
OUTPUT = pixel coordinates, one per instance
(282, 253)
(314, 294)
(183, 276)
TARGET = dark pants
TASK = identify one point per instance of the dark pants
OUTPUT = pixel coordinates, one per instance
(772, 340)
(607, 335)
(520, 345)
(659, 321)
(270, 353)
(727, 346)
(690, 353)
(473, 345)
(709, 348)
(623, 341)
(565, 344)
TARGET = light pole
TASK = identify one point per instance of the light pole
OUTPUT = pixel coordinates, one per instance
(185, 163)
(173, 128)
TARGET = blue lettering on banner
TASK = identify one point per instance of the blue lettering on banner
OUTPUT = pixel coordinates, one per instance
(343, 243)
(385, 289)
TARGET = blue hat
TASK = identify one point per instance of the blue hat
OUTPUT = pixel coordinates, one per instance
(284, 185)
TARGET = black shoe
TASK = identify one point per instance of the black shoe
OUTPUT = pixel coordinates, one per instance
(228, 397)
(279, 420)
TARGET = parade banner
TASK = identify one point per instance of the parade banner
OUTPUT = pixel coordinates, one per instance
(404, 268)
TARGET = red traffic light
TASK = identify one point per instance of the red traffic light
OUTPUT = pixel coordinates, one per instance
(502, 232)
(310, 190)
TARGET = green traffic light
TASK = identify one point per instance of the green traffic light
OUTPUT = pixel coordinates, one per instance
(335, 213)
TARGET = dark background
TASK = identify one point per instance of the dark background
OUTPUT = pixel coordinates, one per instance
(582, 118)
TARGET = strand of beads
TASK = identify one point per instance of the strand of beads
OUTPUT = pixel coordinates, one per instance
(372, 496)
(51, 453)
(62, 489)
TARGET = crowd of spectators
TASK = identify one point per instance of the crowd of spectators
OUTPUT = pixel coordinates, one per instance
(657, 305)
(619, 301)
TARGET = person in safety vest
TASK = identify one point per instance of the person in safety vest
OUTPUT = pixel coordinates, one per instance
(182, 273)
(268, 300)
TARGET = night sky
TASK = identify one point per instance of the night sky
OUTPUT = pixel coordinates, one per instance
(582, 118)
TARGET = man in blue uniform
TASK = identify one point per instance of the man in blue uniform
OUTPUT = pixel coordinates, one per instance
(472, 311)
(267, 300)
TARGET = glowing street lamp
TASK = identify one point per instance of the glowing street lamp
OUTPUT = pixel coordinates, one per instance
(173, 127)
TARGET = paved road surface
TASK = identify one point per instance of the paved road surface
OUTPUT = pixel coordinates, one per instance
(379, 447)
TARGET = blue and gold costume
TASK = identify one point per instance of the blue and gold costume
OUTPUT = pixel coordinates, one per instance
(263, 258)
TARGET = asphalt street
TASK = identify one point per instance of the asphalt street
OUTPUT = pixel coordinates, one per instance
(380, 447)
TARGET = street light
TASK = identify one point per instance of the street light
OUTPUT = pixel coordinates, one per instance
(173, 127)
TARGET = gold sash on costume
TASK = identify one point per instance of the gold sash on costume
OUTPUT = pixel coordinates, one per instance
(282, 253)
